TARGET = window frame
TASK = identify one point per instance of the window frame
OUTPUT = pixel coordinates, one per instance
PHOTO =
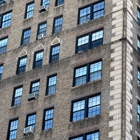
(84, 135)
(47, 87)
(31, 114)
(41, 4)
(9, 125)
(13, 100)
(138, 114)
(88, 72)
(86, 106)
(39, 26)
(20, 58)
(23, 31)
(138, 79)
(27, 4)
(50, 60)
(33, 82)
(1, 65)
(61, 16)
(1, 18)
(91, 11)
(56, 3)
(4, 46)
(43, 122)
(35, 53)
(90, 40)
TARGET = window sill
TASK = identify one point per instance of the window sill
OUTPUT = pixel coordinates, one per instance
(5, 28)
(74, 87)
(85, 120)
(17, 106)
(49, 96)
(28, 19)
(47, 130)
(58, 6)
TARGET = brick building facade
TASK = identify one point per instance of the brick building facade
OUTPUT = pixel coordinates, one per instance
(69, 70)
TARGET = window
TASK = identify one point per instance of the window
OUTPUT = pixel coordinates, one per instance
(31, 119)
(91, 12)
(6, 19)
(138, 112)
(45, 2)
(12, 132)
(90, 136)
(57, 27)
(3, 45)
(21, 65)
(38, 58)
(17, 96)
(2, 1)
(29, 10)
(87, 73)
(54, 53)
(1, 71)
(138, 44)
(138, 76)
(87, 107)
(48, 119)
(42, 28)
(59, 2)
(35, 87)
(26, 36)
(89, 41)
(51, 85)
(138, 14)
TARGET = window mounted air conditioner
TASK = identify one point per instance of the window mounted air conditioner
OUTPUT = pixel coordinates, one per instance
(28, 130)
(40, 36)
(43, 8)
(33, 95)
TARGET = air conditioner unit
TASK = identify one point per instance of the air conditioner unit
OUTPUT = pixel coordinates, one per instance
(33, 95)
(40, 36)
(28, 130)
(43, 8)
(7, 1)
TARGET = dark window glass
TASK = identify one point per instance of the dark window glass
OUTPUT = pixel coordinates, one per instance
(51, 86)
(89, 41)
(17, 96)
(138, 15)
(57, 24)
(54, 53)
(29, 10)
(12, 132)
(2, 1)
(3, 45)
(26, 36)
(48, 119)
(35, 87)
(21, 65)
(6, 19)
(91, 136)
(87, 73)
(42, 28)
(90, 106)
(31, 119)
(138, 76)
(138, 44)
(46, 2)
(59, 2)
(85, 13)
(38, 59)
(138, 112)
(1, 71)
